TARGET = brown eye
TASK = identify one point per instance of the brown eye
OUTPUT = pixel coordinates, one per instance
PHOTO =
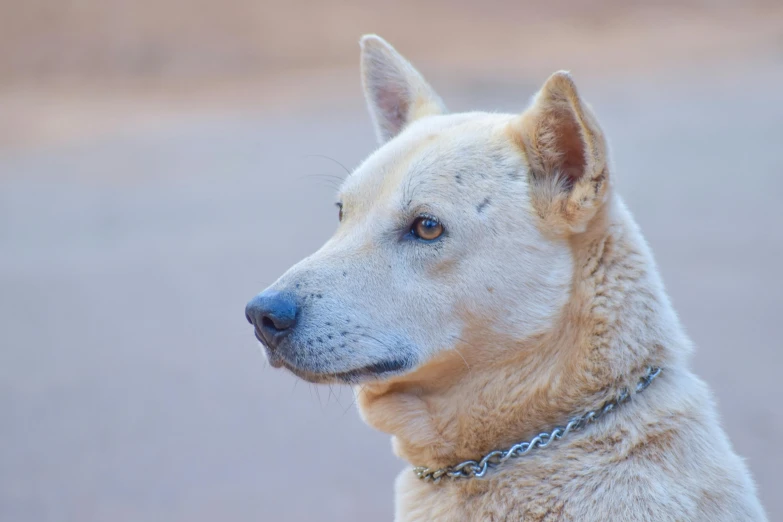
(340, 211)
(427, 228)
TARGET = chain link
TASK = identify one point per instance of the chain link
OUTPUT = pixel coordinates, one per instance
(493, 459)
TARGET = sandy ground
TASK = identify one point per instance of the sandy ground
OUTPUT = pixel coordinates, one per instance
(131, 387)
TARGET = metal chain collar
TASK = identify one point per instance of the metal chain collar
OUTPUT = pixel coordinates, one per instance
(493, 459)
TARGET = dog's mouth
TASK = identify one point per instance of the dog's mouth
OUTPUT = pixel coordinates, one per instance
(375, 371)
(379, 370)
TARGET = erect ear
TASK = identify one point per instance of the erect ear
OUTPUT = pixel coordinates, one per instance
(396, 93)
(567, 155)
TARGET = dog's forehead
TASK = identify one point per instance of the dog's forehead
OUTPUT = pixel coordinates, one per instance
(435, 152)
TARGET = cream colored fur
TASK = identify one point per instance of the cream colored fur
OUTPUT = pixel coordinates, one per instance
(540, 302)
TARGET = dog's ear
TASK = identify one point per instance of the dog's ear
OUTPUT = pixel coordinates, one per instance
(567, 154)
(396, 93)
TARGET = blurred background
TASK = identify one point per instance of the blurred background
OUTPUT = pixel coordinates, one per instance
(158, 167)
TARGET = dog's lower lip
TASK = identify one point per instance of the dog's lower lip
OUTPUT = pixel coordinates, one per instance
(273, 359)
(350, 376)
(387, 366)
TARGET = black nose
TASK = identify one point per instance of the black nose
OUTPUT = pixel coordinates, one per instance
(273, 314)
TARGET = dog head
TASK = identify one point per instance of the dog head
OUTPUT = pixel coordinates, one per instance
(458, 226)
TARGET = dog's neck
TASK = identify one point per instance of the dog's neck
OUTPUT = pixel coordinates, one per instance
(616, 323)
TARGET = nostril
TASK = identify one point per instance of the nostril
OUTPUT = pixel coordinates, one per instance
(266, 322)
(273, 314)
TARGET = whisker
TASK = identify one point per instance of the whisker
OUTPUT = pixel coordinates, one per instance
(355, 397)
(463, 359)
(318, 394)
(381, 343)
(332, 182)
(348, 172)
(332, 176)
(460, 353)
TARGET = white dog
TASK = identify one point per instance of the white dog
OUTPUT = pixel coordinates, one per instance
(502, 318)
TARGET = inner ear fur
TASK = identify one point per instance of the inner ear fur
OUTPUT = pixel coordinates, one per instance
(566, 153)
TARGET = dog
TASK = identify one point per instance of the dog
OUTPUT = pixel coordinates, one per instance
(498, 312)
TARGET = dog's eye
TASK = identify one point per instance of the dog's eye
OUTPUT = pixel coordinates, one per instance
(427, 228)
(340, 211)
